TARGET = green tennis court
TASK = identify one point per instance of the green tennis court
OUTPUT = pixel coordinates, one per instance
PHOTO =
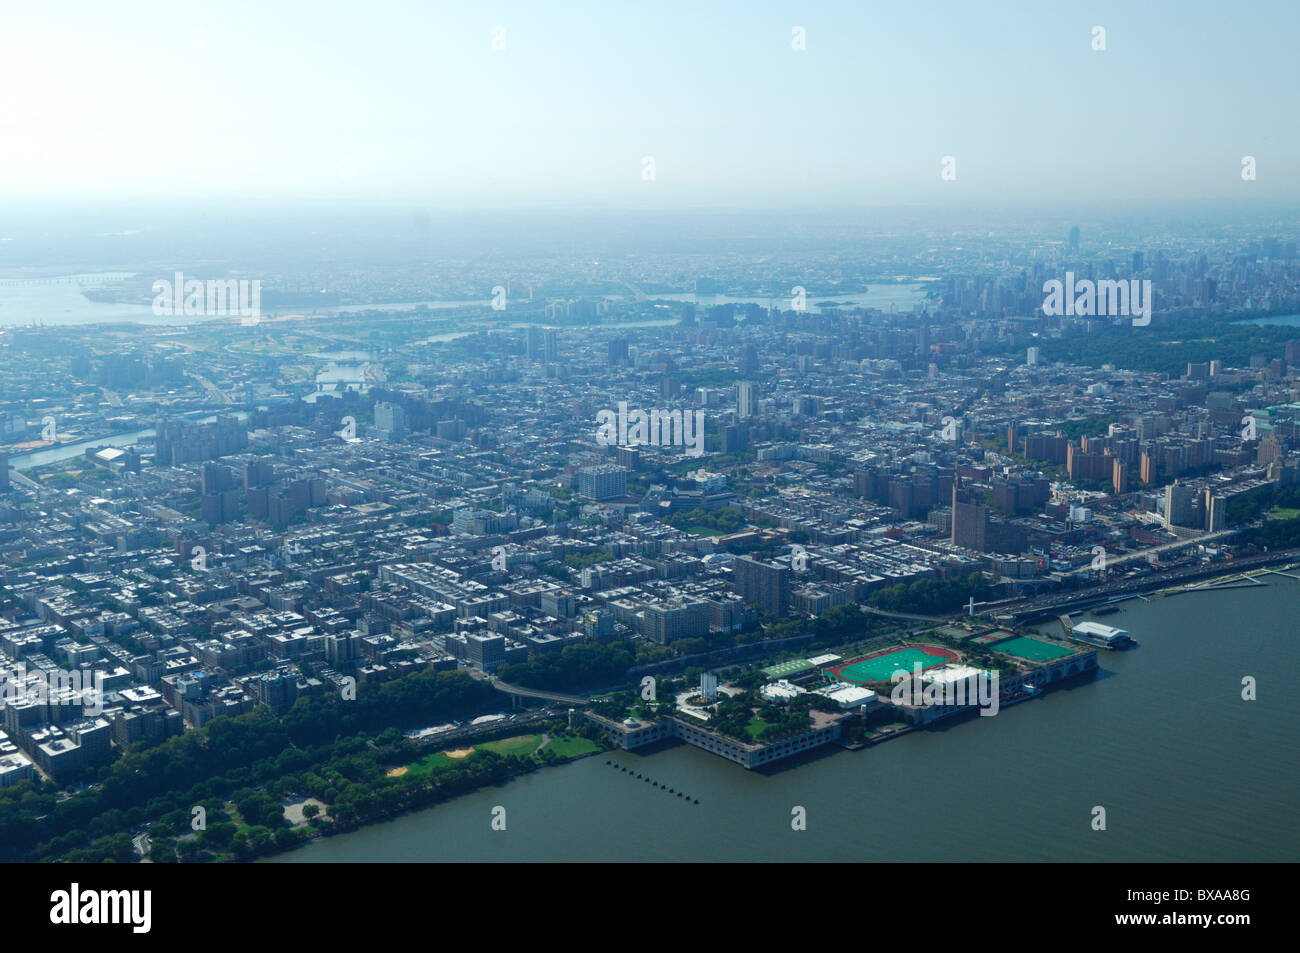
(1032, 649)
(880, 668)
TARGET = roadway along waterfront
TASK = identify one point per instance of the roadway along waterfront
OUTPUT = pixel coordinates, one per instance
(1058, 602)
(1185, 768)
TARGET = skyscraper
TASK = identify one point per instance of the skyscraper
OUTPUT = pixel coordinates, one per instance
(746, 399)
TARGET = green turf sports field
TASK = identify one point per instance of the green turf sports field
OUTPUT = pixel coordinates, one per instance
(882, 667)
(1032, 649)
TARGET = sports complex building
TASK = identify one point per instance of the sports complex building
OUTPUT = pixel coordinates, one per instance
(1037, 662)
(1033, 660)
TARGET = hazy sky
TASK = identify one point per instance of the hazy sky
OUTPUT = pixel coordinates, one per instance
(385, 99)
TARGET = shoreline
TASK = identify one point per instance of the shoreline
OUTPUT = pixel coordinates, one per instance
(322, 833)
(309, 833)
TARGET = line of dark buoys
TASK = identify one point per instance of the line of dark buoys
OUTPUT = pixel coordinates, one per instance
(646, 779)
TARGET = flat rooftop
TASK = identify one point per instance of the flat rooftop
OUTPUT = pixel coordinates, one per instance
(788, 668)
(952, 673)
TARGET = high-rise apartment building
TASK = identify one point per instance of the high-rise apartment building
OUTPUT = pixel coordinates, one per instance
(762, 583)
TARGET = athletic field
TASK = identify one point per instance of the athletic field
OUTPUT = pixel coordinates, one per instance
(880, 666)
(1032, 649)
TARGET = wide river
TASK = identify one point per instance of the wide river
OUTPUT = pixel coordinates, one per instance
(1185, 769)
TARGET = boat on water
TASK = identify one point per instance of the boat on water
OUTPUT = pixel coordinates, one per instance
(1105, 610)
(1095, 633)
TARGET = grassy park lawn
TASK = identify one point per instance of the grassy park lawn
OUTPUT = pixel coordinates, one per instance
(519, 745)
(571, 747)
(431, 762)
(756, 726)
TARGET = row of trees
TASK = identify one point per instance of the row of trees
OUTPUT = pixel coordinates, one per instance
(575, 667)
(931, 596)
(403, 703)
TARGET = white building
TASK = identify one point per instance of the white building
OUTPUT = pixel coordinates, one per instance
(848, 696)
(782, 691)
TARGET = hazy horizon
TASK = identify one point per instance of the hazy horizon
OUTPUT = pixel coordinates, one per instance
(316, 103)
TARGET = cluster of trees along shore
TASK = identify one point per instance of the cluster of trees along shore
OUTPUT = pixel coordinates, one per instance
(325, 747)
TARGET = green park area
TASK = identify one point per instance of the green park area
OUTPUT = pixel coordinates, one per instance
(520, 746)
(574, 747)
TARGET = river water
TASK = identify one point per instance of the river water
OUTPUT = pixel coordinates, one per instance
(1162, 739)
(59, 301)
(39, 458)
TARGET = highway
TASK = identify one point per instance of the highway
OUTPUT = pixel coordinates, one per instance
(1113, 561)
(906, 615)
(1062, 601)
(471, 731)
(523, 692)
